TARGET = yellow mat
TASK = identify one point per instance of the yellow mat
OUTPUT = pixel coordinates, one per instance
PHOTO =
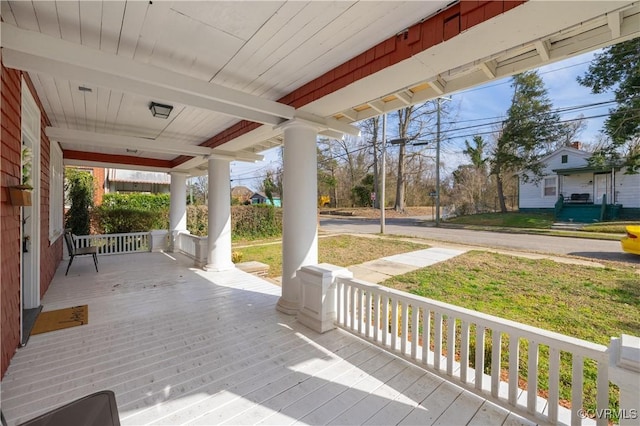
(61, 318)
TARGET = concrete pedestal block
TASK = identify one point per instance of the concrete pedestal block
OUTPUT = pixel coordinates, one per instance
(318, 309)
(158, 239)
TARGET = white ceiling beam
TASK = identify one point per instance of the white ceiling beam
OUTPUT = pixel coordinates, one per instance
(103, 140)
(542, 47)
(236, 155)
(102, 164)
(49, 55)
(404, 97)
(377, 106)
(328, 123)
(489, 68)
(438, 85)
(614, 21)
(351, 114)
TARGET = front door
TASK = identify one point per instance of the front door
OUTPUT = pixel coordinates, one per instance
(601, 185)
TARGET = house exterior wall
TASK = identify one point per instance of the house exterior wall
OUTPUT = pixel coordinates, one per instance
(531, 194)
(10, 251)
(10, 216)
(628, 190)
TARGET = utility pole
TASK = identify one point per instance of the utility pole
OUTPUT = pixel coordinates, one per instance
(383, 172)
(438, 164)
(438, 159)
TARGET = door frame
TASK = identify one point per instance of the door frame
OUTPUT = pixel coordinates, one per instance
(30, 215)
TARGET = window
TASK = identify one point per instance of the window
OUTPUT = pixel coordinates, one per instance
(56, 192)
(565, 159)
(550, 185)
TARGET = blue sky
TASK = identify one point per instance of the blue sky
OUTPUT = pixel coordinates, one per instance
(489, 101)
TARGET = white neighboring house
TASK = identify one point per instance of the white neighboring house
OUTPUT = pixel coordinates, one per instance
(124, 181)
(566, 173)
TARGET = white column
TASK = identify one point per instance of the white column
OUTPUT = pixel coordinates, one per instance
(219, 256)
(178, 206)
(300, 214)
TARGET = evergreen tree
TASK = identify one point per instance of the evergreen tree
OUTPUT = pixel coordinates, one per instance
(618, 69)
(79, 187)
(530, 126)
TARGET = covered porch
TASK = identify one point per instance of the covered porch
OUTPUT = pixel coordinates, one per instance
(181, 345)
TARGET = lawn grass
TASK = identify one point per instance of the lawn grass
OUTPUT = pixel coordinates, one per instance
(609, 227)
(510, 220)
(340, 250)
(589, 303)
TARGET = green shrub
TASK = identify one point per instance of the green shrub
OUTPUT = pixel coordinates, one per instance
(120, 220)
(79, 187)
(135, 212)
(137, 201)
(247, 222)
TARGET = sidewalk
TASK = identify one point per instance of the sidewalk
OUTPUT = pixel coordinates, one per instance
(376, 271)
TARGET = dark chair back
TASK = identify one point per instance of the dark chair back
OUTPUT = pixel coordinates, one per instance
(68, 238)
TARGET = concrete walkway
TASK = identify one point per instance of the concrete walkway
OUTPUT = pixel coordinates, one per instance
(376, 271)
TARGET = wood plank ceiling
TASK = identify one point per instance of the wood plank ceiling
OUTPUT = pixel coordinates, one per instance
(218, 62)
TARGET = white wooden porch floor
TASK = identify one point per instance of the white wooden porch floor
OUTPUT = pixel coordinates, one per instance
(179, 345)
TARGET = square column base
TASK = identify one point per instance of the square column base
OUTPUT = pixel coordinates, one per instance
(318, 295)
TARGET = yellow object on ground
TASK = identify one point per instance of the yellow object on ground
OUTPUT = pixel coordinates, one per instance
(61, 318)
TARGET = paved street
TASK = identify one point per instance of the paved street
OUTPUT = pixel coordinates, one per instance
(592, 249)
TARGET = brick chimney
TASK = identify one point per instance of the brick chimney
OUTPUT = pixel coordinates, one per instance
(576, 145)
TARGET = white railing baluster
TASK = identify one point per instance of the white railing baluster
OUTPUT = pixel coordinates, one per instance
(367, 312)
(340, 304)
(359, 310)
(479, 356)
(437, 340)
(464, 352)
(496, 352)
(426, 335)
(352, 312)
(602, 389)
(415, 332)
(514, 356)
(554, 383)
(451, 344)
(577, 378)
(532, 377)
(394, 323)
(385, 320)
(404, 314)
(376, 317)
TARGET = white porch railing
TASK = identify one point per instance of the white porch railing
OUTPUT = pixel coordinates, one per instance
(116, 243)
(515, 361)
(192, 246)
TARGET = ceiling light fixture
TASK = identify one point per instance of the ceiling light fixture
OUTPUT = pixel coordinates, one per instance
(160, 110)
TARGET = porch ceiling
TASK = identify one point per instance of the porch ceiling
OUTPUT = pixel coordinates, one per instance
(221, 62)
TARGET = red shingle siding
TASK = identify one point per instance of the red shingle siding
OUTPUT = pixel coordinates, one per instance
(10, 217)
(10, 253)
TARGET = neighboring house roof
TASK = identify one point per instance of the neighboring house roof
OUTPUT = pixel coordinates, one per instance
(136, 176)
(263, 195)
(241, 192)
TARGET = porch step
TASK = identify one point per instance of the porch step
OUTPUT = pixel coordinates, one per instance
(568, 226)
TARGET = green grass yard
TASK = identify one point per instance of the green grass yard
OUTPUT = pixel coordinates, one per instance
(589, 303)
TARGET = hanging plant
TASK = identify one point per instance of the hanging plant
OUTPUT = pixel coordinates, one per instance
(27, 163)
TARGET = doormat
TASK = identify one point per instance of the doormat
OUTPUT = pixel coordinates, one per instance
(61, 318)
